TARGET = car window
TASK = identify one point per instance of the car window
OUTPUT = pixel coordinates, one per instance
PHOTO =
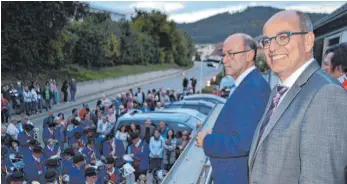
(193, 121)
(205, 110)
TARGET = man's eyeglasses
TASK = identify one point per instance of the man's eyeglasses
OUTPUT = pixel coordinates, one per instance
(281, 38)
(230, 55)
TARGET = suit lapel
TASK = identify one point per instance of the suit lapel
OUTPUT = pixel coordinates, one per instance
(287, 100)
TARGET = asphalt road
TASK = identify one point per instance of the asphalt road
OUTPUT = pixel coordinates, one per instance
(173, 83)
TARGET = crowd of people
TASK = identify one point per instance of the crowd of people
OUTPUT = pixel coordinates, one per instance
(33, 99)
(86, 146)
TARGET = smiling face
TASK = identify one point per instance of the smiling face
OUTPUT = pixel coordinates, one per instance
(286, 59)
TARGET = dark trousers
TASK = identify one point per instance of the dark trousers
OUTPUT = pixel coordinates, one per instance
(65, 96)
(4, 116)
(155, 163)
(193, 89)
(168, 166)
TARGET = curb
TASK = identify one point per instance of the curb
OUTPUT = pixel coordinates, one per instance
(96, 96)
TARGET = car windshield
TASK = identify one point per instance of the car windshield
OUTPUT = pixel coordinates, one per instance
(193, 122)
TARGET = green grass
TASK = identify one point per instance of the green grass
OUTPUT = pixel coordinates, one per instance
(82, 74)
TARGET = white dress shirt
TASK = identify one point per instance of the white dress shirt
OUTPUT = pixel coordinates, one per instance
(240, 79)
(289, 82)
(12, 130)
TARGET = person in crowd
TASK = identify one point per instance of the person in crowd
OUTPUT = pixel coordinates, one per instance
(156, 147)
(183, 142)
(123, 135)
(169, 146)
(193, 81)
(4, 109)
(139, 151)
(163, 129)
(48, 120)
(228, 149)
(14, 148)
(104, 127)
(306, 111)
(49, 133)
(34, 101)
(59, 132)
(158, 107)
(50, 176)
(76, 174)
(83, 111)
(91, 175)
(111, 116)
(24, 120)
(165, 98)
(64, 89)
(77, 140)
(16, 177)
(140, 96)
(27, 151)
(90, 152)
(34, 164)
(133, 129)
(117, 103)
(109, 172)
(48, 95)
(26, 134)
(40, 99)
(335, 63)
(27, 100)
(12, 129)
(185, 83)
(67, 161)
(145, 108)
(51, 149)
(55, 92)
(147, 130)
(73, 89)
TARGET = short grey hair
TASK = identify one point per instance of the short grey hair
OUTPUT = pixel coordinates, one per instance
(305, 22)
(250, 42)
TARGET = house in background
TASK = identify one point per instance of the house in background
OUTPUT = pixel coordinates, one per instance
(330, 31)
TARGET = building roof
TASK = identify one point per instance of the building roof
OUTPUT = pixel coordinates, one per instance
(218, 50)
(334, 15)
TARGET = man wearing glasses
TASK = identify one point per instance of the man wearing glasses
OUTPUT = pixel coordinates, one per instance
(229, 143)
(302, 135)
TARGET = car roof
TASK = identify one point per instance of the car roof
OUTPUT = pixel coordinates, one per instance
(205, 96)
(192, 102)
(192, 112)
(157, 116)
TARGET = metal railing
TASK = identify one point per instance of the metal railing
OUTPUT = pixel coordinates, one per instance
(193, 166)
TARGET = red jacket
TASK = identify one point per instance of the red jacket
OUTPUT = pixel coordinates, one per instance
(4, 104)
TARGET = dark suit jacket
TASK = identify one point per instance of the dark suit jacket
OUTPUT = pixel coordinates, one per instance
(229, 144)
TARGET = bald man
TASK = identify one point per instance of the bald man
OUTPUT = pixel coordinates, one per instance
(302, 137)
(229, 143)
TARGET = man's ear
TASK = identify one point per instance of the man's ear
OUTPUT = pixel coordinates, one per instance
(309, 41)
(250, 55)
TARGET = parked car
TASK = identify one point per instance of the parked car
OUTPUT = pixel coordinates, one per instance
(199, 105)
(206, 97)
(200, 116)
(176, 121)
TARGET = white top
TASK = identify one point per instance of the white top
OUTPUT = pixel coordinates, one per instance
(289, 82)
(12, 130)
(244, 75)
(342, 78)
(121, 135)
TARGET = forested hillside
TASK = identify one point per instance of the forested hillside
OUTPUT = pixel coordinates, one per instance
(216, 28)
(63, 39)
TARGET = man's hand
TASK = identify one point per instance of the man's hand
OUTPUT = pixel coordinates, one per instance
(201, 136)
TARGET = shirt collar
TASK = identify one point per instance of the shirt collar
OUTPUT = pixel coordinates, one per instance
(342, 78)
(110, 173)
(243, 75)
(289, 82)
(138, 143)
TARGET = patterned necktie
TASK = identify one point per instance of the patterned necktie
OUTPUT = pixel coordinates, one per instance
(280, 91)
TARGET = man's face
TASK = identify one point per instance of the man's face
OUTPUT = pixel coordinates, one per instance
(148, 123)
(162, 124)
(37, 155)
(236, 63)
(108, 166)
(93, 178)
(286, 59)
(327, 63)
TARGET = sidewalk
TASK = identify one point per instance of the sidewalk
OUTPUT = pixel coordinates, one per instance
(96, 96)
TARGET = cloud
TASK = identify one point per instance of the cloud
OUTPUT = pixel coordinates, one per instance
(314, 8)
(202, 14)
(162, 6)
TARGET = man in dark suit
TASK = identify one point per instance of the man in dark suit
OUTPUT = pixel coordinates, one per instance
(229, 143)
(34, 165)
(147, 131)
